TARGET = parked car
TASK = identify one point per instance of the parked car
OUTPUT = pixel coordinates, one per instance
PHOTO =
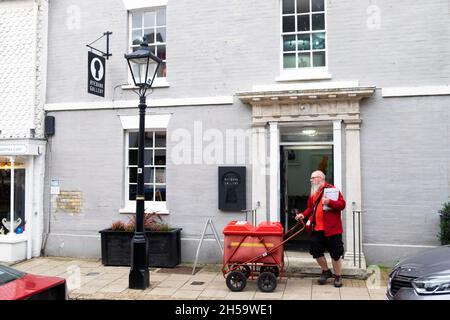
(424, 276)
(18, 285)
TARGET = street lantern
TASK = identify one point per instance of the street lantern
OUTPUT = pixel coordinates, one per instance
(143, 67)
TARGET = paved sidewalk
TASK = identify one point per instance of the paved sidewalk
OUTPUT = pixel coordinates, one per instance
(89, 279)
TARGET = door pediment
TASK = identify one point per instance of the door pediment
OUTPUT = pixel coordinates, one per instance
(306, 105)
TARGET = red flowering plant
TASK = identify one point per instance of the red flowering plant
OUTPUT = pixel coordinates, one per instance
(152, 222)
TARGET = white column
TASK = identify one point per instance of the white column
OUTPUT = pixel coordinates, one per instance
(337, 153)
(38, 202)
(353, 187)
(259, 173)
(11, 206)
(274, 214)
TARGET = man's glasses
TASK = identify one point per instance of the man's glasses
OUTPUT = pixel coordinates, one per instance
(312, 178)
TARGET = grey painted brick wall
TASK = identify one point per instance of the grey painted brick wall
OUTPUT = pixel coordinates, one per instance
(87, 154)
(405, 170)
(217, 48)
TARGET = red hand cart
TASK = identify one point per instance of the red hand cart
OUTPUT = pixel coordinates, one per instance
(255, 251)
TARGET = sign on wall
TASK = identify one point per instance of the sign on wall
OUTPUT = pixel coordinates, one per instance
(232, 188)
(96, 74)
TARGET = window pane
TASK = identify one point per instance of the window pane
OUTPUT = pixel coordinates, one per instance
(148, 192)
(160, 175)
(288, 24)
(318, 41)
(303, 23)
(304, 60)
(136, 37)
(133, 140)
(132, 192)
(304, 42)
(149, 139)
(19, 196)
(137, 19)
(149, 34)
(160, 157)
(148, 174)
(318, 21)
(132, 157)
(302, 6)
(149, 19)
(162, 70)
(133, 175)
(289, 60)
(148, 157)
(289, 43)
(161, 52)
(161, 17)
(160, 139)
(288, 6)
(161, 35)
(5, 193)
(319, 59)
(318, 5)
(160, 193)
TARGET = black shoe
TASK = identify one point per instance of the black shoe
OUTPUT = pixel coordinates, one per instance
(324, 276)
(338, 281)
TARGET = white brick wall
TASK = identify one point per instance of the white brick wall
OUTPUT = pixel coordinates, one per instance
(21, 78)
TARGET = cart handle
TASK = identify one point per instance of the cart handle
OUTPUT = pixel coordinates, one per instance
(281, 243)
(299, 223)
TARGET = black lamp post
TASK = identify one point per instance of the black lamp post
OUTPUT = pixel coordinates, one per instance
(143, 67)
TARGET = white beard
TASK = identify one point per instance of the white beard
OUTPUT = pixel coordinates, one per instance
(314, 188)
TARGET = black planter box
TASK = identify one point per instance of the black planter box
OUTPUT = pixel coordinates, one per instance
(164, 248)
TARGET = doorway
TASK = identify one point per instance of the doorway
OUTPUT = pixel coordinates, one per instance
(297, 164)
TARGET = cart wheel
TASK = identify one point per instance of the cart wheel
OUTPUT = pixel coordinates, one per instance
(236, 281)
(267, 282)
(272, 269)
(242, 268)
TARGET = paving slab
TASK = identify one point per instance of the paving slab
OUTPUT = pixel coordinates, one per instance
(89, 279)
(186, 294)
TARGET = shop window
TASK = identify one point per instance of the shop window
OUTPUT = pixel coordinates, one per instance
(5, 197)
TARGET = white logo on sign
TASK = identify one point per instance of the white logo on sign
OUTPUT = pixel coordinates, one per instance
(97, 69)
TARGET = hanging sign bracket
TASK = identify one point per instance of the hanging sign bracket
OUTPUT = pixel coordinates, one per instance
(105, 54)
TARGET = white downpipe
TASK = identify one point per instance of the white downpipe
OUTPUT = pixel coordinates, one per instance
(29, 204)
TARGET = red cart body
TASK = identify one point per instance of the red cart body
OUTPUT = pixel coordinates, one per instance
(254, 251)
(244, 242)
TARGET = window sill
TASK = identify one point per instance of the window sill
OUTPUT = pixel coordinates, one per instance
(132, 209)
(14, 238)
(156, 84)
(303, 75)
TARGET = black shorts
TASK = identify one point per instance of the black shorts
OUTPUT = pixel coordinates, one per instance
(333, 244)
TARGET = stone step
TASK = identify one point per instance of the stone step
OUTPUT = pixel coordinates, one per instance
(303, 264)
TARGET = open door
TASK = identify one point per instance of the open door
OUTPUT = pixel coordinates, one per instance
(296, 165)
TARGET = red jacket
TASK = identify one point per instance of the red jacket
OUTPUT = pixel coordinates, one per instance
(332, 221)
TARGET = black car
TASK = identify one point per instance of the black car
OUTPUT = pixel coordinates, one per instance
(424, 276)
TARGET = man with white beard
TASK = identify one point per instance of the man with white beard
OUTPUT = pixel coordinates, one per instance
(326, 227)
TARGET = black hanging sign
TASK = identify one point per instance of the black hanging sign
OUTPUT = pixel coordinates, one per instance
(96, 74)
